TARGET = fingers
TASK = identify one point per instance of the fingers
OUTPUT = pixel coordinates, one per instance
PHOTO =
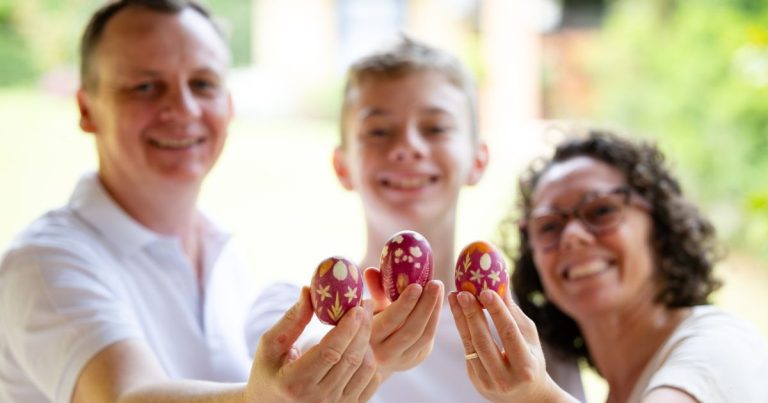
(418, 330)
(475, 369)
(512, 338)
(372, 278)
(278, 341)
(353, 356)
(524, 323)
(389, 320)
(362, 382)
(489, 355)
(315, 364)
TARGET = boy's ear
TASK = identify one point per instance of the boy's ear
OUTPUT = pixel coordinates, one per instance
(341, 168)
(86, 116)
(479, 163)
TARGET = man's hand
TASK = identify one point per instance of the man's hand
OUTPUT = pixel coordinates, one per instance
(340, 368)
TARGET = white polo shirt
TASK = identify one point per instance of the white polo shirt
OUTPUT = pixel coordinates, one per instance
(87, 275)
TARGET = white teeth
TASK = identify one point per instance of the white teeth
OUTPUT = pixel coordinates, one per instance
(176, 143)
(586, 269)
(408, 183)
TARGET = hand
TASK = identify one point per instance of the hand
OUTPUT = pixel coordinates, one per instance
(403, 331)
(340, 368)
(518, 371)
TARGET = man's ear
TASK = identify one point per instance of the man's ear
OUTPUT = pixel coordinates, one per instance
(341, 168)
(479, 163)
(87, 123)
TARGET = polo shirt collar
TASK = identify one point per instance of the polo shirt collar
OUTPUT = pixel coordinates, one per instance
(93, 204)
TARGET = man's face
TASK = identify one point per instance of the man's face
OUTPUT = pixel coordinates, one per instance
(409, 147)
(160, 109)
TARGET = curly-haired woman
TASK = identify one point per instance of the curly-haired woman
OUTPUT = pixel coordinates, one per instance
(612, 265)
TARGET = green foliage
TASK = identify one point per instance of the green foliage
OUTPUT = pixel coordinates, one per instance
(235, 16)
(16, 67)
(695, 75)
(39, 35)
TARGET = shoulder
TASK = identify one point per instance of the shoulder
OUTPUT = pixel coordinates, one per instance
(60, 228)
(712, 355)
(57, 251)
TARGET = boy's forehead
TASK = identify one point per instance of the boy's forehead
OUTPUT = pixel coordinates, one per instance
(431, 92)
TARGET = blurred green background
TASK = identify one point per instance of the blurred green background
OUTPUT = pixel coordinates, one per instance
(691, 75)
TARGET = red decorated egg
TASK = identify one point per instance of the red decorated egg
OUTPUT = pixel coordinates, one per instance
(481, 266)
(405, 259)
(336, 287)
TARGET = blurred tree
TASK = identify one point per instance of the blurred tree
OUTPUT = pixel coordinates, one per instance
(17, 67)
(39, 35)
(695, 74)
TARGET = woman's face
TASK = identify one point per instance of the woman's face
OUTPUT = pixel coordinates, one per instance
(601, 262)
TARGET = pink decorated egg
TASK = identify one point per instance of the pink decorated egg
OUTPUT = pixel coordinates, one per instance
(405, 259)
(481, 266)
(336, 287)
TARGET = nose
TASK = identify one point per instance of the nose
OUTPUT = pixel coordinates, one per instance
(575, 235)
(181, 103)
(409, 146)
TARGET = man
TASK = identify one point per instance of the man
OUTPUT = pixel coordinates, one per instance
(128, 292)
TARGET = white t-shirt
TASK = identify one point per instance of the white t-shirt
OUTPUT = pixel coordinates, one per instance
(442, 377)
(713, 356)
(87, 275)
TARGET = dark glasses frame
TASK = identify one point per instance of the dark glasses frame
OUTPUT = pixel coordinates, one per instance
(630, 199)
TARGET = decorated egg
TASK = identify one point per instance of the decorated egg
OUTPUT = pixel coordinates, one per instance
(405, 259)
(336, 287)
(481, 266)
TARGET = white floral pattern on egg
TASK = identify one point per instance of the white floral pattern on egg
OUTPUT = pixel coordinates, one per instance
(480, 266)
(336, 287)
(406, 259)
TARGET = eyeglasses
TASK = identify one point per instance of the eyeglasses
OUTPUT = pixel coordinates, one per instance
(600, 213)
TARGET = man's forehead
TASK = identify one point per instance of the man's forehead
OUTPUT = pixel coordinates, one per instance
(157, 28)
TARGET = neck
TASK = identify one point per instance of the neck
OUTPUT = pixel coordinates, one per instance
(623, 343)
(169, 211)
(439, 234)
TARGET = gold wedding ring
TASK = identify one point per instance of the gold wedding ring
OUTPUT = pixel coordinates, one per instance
(470, 356)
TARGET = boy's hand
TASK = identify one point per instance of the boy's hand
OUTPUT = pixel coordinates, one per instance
(403, 331)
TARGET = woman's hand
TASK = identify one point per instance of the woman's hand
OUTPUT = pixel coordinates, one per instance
(340, 368)
(403, 331)
(516, 372)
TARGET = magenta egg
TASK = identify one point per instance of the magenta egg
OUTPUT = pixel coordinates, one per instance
(481, 266)
(336, 287)
(405, 259)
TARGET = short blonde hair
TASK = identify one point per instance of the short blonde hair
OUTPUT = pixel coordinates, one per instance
(408, 56)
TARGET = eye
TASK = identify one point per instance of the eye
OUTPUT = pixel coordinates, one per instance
(378, 132)
(601, 211)
(436, 130)
(144, 88)
(547, 225)
(204, 85)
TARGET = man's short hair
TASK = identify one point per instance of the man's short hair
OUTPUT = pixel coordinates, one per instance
(95, 28)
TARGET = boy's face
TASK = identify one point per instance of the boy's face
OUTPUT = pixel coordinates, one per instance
(409, 147)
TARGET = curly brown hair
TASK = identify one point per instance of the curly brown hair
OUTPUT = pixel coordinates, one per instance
(683, 240)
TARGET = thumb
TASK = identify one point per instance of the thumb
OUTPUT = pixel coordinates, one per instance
(373, 282)
(278, 341)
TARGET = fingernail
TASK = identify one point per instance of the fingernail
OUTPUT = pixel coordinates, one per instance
(434, 285)
(486, 297)
(464, 299)
(414, 291)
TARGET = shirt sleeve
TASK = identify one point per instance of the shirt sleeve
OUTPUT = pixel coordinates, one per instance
(58, 311)
(722, 359)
